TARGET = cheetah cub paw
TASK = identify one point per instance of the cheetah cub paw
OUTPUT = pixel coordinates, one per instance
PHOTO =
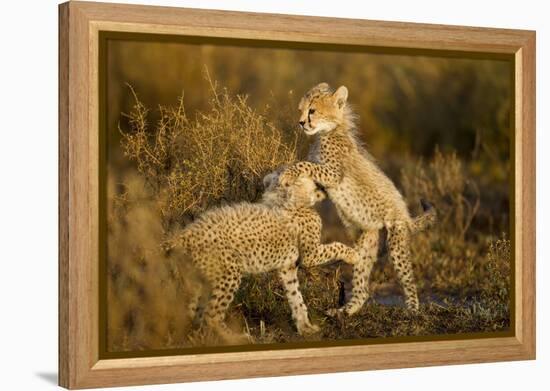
(308, 329)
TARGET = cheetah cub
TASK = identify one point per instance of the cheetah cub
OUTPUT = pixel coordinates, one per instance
(365, 198)
(249, 238)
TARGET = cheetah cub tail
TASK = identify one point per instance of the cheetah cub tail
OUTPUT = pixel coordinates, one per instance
(426, 219)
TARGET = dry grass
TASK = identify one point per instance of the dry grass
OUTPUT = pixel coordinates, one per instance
(184, 165)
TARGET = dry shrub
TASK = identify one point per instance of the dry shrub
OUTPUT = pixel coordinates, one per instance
(443, 182)
(220, 155)
(444, 260)
(146, 293)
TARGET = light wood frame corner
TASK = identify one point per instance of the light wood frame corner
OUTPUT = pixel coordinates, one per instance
(79, 27)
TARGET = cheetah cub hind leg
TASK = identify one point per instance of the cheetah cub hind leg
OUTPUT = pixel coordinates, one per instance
(223, 288)
(367, 247)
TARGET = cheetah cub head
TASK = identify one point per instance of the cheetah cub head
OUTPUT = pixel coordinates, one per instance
(323, 110)
(303, 193)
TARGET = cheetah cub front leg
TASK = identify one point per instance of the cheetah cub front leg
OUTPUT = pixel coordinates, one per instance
(289, 278)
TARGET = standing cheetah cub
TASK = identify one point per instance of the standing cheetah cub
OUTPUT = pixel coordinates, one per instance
(365, 198)
(250, 238)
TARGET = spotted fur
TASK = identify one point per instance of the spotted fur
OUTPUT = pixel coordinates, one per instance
(249, 238)
(365, 198)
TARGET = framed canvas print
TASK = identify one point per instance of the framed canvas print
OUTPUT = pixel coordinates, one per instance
(248, 195)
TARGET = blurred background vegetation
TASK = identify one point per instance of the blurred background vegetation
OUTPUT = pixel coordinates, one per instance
(202, 123)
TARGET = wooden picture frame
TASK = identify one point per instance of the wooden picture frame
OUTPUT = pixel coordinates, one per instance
(79, 27)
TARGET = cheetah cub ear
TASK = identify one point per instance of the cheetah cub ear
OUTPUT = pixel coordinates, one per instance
(340, 96)
(270, 179)
(321, 87)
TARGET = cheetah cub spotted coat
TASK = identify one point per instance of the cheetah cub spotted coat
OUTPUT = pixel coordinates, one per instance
(249, 238)
(365, 198)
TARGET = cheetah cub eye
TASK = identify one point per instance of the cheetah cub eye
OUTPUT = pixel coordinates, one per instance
(319, 196)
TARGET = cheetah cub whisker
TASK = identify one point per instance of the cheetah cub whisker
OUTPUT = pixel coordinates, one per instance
(365, 198)
(248, 238)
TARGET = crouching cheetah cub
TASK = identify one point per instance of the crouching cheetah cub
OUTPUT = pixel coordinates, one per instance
(227, 242)
(365, 198)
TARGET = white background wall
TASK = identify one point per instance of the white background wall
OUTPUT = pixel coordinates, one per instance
(28, 207)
